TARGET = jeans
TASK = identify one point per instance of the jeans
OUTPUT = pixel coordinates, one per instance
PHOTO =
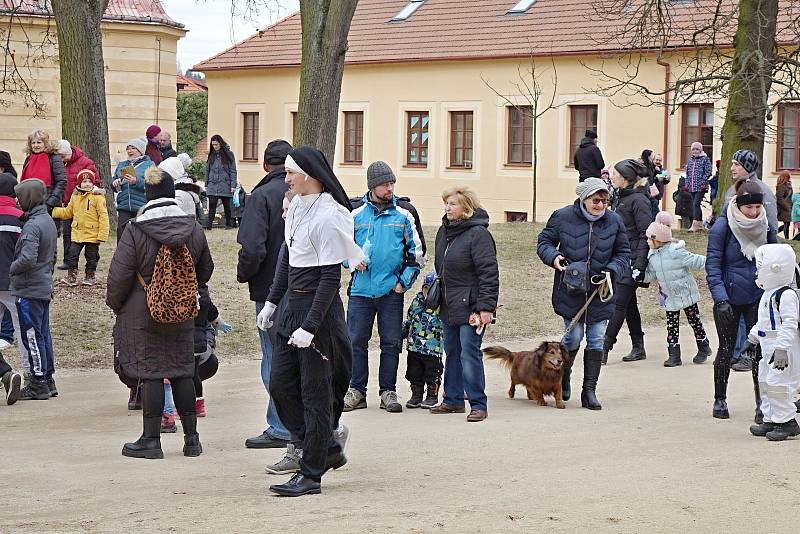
(595, 334)
(361, 313)
(275, 428)
(7, 329)
(741, 337)
(463, 367)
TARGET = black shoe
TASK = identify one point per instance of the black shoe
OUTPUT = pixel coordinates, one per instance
(416, 397)
(762, 429)
(12, 384)
(432, 397)
(720, 410)
(265, 441)
(592, 360)
(149, 448)
(62, 267)
(36, 390)
(191, 445)
(674, 359)
(335, 461)
(296, 486)
(783, 431)
(566, 389)
(637, 351)
(51, 385)
(703, 351)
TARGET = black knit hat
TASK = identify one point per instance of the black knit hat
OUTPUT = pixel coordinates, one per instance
(7, 183)
(631, 169)
(591, 134)
(276, 152)
(747, 159)
(158, 184)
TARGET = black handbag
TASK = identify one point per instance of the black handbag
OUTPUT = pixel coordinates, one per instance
(434, 298)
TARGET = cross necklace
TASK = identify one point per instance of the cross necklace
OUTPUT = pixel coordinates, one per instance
(296, 227)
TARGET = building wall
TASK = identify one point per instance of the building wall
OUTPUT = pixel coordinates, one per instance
(385, 92)
(140, 89)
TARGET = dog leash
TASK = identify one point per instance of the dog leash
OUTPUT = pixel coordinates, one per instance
(605, 290)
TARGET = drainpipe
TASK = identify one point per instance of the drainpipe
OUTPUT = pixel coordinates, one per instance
(666, 123)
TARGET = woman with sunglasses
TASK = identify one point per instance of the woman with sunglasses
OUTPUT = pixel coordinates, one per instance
(587, 238)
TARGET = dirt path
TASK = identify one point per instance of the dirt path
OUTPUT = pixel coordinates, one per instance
(653, 460)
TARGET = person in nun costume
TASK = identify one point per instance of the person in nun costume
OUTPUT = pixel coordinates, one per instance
(313, 356)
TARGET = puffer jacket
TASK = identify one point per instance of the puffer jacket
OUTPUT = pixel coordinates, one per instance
(796, 207)
(569, 234)
(132, 197)
(466, 260)
(423, 329)
(393, 242)
(10, 229)
(143, 348)
(220, 177)
(75, 164)
(783, 196)
(35, 252)
(588, 160)
(89, 215)
(671, 265)
(698, 172)
(770, 202)
(730, 275)
(635, 209)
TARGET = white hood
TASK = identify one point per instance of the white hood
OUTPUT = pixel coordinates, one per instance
(776, 264)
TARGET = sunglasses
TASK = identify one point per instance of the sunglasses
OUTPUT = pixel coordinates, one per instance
(598, 201)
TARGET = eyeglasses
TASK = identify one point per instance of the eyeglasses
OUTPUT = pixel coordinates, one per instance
(598, 201)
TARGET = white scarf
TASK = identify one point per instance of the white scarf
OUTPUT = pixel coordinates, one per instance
(750, 233)
(320, 231)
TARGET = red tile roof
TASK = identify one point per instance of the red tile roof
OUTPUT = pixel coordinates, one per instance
(457, 29)
(190, 84)
(143, 11)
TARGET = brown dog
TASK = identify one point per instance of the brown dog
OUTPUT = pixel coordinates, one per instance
(540, 371)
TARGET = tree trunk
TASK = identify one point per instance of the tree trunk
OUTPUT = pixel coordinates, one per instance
(751, 79)
(325, 24)
(84, 118)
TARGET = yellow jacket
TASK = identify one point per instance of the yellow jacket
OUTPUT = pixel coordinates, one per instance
(87, 209)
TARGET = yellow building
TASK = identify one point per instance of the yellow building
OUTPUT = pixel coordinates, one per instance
(421, 90)
(139, 49)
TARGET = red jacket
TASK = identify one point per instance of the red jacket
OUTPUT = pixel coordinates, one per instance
(154, 152)
(76, 164)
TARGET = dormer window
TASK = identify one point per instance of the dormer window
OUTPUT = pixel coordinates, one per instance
(521, 7)
(407, 11)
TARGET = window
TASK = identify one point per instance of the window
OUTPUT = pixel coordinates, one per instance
(581, 118)
(698, 125)
(353, 136)
(294, 127)
(461, 139)
(407, 11)
(417, 138)
(789, 137)
(520, 135)
(520, 7)
(516, 216)
(250, 141)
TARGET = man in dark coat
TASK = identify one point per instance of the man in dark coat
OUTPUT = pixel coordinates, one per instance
(261, 238)
(165, 145)
(588, 159)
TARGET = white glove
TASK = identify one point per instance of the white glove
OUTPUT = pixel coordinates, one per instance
(264, 319)
(753, 339)
(780, 359)
(301, 339)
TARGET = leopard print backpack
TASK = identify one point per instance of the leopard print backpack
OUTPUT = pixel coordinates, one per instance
(172, 292)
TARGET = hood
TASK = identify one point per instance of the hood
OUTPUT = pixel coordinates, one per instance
(77, 154)
(675, 245)
(189, 186)
(30, 193)
(454, 228)
(776, 265)
(586, 141)
(162, 220)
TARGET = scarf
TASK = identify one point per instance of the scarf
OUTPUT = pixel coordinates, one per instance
(750, 233)
(589, 217)
(38, 166)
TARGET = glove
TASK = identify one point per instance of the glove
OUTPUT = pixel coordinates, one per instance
(724, 312)
(301, 339)
(780, 359)
(749, 349)
(264, 319)
(220, 325)
(638, 275)
(52, 202)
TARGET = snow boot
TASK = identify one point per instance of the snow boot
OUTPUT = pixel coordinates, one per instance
(720, 410)
(674, 359)
(703, 351)
(416, 396)
(72, 277)
(89, 278)
(191, 439)
(431, 397)
(592, 361)
(783, 431)
(637, 351)
(566, 390)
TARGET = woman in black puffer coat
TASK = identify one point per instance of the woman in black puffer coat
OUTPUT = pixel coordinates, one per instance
(586, 231)
(466, 261)
(629, 176)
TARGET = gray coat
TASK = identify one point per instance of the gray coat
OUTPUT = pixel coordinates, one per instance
(220, 178)
(32, 269)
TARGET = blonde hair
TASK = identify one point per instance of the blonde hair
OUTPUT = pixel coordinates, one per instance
(49, 146)
(466, 197)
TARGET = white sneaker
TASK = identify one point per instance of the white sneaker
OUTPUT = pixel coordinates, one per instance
(354, 400)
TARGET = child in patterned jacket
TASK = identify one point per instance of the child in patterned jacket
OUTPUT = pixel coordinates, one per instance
(422, 330)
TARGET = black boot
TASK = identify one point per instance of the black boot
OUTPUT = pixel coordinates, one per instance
(431, 396)
(720, 410)
(149, 445)
(637, 351)
(566, 390)
(592, 361)
(703, 351)
(191, 439)
(36, 389)
(674, 359)
(783, 431)
(416, 396)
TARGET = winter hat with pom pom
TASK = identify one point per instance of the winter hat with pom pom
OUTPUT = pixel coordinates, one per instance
(660, 229)
(158, 184)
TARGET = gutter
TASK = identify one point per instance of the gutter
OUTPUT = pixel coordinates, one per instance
(664, 154)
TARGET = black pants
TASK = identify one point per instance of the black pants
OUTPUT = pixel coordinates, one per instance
(212, 210)
(91, 251)
(204, 371)
(4, 367)
(626, 309)
(785, 229)
(697, 211)
(421, 370)
(726, 333)
(123, 216)
(309, 390)
(66, 232)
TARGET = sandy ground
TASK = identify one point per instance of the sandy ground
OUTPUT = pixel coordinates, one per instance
(653, 460)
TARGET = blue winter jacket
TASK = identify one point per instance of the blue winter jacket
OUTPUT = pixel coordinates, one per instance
(393, 242)
(671, 265)
(730, 275)
(567, 234)
(698, 172)
(132, 197)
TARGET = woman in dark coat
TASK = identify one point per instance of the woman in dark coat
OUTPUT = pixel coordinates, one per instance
(630, 178)
(584, 232)
(731, 275)
(147, 351)
(466, 260)
(783, 195)
(683, 203)
(220, 180)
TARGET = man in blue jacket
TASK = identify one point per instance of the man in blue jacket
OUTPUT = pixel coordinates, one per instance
(388, 230)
